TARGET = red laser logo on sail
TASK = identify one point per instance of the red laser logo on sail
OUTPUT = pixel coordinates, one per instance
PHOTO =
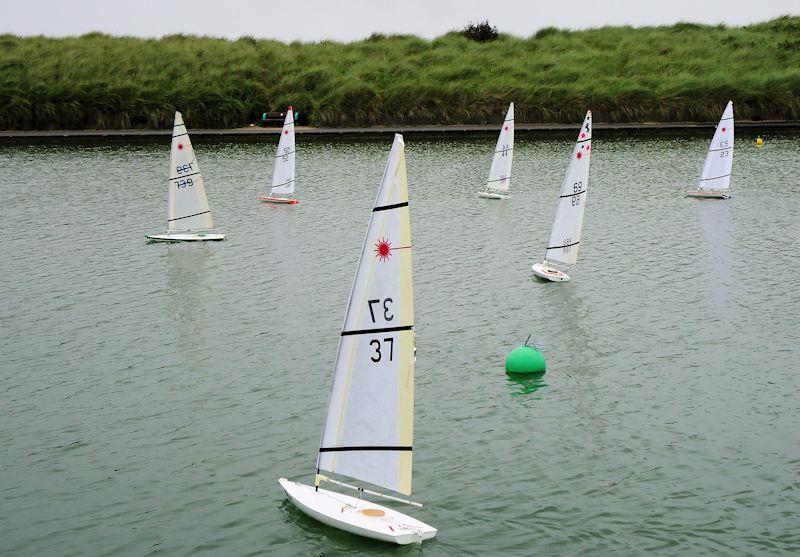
(383, 249)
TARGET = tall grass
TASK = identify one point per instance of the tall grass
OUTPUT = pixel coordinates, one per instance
(681, 72)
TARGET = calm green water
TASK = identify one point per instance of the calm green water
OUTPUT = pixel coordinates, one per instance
(152, 395)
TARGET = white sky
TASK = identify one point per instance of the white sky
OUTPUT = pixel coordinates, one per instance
(345, 20)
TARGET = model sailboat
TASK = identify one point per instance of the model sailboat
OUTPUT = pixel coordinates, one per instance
(565, 236)
(188, 215)
(368, 431)
(715, 179)
(283, 173)
(500, 171)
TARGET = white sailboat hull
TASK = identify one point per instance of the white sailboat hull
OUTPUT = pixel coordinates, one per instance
(277, 200)
(707, 194)
(186, 237)
(492, 195)
(546, 272)
(348, 513)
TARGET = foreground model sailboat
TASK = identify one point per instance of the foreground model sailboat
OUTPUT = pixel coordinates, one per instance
(188, 216)
(368, 431)
(565, 236)
(715, 179)
(500, 171)
(283, 174)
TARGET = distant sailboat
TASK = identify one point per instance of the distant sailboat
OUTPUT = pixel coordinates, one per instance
(715, 180)
(368, 432)
(500, 172)
(565, 236)
(283, 177)
(188, 216)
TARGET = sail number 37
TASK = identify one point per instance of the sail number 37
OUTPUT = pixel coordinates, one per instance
(381, 309)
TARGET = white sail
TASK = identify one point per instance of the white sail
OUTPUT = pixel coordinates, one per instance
(565, 236)
(188, 205)
(500, 171)
(283, 174)
(717, 169)
(368, 431)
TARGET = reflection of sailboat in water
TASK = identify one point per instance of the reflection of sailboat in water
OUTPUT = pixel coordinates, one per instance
(190, 279)
(716, 231)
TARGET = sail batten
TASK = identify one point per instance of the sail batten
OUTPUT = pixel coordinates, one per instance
(565, 235)
(283, 175)
(188, 208)
(368, 431)
(500, 172)
(718, 166)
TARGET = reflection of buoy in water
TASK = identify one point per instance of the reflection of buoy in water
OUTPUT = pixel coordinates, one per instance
(759, 142)
(525, 359)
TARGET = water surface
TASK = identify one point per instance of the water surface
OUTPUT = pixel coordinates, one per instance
(153, 394)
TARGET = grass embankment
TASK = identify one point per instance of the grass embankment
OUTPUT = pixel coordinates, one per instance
(684, 72)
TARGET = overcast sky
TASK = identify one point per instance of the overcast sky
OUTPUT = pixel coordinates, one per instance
(345, 20)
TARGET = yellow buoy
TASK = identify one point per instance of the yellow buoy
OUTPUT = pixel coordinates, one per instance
(759, 142)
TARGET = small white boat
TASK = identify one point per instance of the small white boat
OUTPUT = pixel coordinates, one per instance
(368, 431)
(500, 172)
(357, 516)
(283, 176)
(715, 180)
(188, 214)
(565, 236)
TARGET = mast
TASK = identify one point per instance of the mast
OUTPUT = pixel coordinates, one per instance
(718, 166)
(283, 177)
(188, 205)
(500, 172)
(565, 235)
(368, 431)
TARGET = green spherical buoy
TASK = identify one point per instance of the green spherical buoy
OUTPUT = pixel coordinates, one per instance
(525, 359)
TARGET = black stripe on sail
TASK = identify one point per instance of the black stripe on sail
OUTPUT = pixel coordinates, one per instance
(498, 180)
(284, 154)
(720, 149)
(504, 150)
(283, 184)
(573, 194)
(509, 120)
(717, 178)
(564, 246)
(365, 448)
(184, 176)
(721, 119)
(584, 140)
(180, 134)
(189, 216)
(387, 207)
(382, 330)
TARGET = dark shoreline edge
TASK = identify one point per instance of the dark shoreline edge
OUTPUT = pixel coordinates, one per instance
(379, 130)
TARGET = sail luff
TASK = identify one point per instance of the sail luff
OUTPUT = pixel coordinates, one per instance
(283, 175)
(565, 235)
(188, 207)
(500, 172)
(368, 431)
(718, 166)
